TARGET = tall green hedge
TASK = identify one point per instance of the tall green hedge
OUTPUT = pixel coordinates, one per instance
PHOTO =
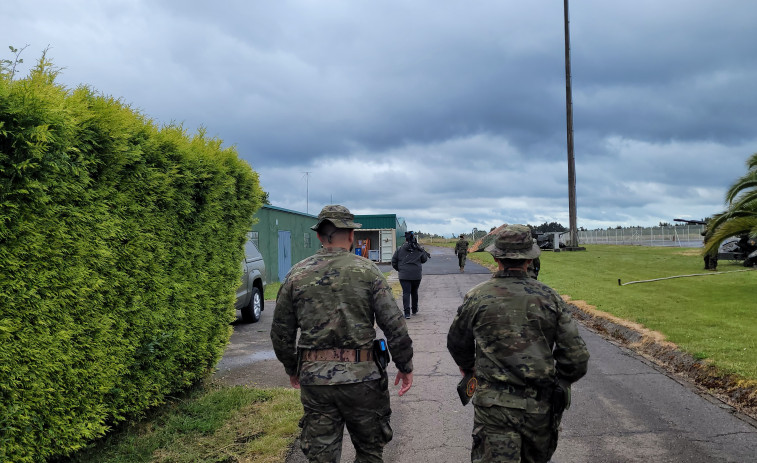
(120, 251)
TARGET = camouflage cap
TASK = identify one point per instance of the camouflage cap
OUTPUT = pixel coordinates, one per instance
(515, 242)
(340, 216)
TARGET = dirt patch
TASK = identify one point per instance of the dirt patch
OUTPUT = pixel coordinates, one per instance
(690, 252)
(737, 392)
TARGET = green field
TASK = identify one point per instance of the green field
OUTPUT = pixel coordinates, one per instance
(206, 424)
(710, 317)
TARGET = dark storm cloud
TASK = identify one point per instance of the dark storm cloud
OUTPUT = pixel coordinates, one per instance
(682, 71)
(450, 114)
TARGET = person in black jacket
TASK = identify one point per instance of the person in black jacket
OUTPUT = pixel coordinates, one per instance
(408, 261)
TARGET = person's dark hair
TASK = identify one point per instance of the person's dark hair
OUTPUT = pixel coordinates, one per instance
(508, 263)
(328, 230)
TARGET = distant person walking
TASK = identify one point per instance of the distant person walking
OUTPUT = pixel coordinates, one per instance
(516, 336)
(408, 261)
(711, 258)
(461, 251)
(334, 298)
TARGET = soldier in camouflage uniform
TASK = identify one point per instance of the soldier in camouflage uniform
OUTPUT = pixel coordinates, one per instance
(533, 268)
(711, 258)
(461, 251)
(333, 298)
(518, 337)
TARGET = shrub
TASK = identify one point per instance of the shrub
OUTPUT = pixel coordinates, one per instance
(120, 245)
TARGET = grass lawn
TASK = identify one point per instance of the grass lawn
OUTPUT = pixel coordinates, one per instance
(207, 424)
(710, 317)
(271, 290)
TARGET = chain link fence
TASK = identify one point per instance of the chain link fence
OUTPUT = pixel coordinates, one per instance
(688, 236)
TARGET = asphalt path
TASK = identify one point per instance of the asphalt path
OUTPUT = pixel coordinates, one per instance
(625, 410)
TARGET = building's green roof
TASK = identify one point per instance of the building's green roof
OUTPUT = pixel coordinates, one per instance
(281, 209)
(377, 221)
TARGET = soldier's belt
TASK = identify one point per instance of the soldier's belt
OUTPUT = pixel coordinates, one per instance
(519, 391)
(337, 355)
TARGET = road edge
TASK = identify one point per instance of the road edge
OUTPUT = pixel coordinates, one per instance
(739, 394)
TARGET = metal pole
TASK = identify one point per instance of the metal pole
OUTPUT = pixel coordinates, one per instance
(569, 114)
(307, 192)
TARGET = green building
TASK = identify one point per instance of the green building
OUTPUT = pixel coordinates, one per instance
(284, 238)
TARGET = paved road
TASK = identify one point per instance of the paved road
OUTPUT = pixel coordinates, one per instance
(624, 410)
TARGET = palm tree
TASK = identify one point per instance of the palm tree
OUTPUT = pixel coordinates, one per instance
(741, 215)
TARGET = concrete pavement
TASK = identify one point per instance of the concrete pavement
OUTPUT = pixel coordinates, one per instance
(624, 410)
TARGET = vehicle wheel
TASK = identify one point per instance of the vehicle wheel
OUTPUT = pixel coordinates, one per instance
(251, 313)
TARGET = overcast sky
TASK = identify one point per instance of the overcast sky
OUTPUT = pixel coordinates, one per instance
(450, 114)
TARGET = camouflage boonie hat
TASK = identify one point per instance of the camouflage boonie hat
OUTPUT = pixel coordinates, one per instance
(514, 242)
(340, 216)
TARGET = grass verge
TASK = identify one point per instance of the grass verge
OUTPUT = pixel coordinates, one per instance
(709, 317)
(271, 291)
(210, 423)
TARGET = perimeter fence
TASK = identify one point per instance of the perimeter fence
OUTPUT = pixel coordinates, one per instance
(689, 236)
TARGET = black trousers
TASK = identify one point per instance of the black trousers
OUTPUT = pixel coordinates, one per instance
(410, 295)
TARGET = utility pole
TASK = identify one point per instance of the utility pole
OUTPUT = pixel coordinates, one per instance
(307, 192)
(571, 159)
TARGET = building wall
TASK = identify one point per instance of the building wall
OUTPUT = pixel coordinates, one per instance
(303, 242)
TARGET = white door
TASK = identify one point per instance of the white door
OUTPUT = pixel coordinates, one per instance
(386, 245)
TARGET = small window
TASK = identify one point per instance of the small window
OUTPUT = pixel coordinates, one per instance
(307, 240)
(254, 239)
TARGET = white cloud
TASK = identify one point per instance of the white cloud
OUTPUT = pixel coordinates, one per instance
(451, 115)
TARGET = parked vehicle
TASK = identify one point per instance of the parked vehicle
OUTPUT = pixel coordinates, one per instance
(250, 300)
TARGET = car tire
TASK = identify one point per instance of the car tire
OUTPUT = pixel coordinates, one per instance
(251, 313)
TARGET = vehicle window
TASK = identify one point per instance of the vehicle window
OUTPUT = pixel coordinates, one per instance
(251, 251)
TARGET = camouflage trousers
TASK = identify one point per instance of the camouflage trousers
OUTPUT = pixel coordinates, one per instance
(461, 259)
(508, 435)
(363, 407)
(711, 261)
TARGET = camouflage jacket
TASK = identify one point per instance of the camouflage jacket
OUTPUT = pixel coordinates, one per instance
(461, 247)
(334, 298)
(516, 331)
(533, 268)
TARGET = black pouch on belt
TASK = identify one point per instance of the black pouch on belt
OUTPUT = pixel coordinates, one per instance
(380, 353)
(467, 387)
(381, 357)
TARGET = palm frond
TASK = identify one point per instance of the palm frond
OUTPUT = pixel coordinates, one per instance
(735, 226)
(746, 182)
(751, 163)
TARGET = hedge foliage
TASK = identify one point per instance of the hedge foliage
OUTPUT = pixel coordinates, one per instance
(120, 251)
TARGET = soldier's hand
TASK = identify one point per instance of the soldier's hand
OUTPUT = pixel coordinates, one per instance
(407, 381)
(294, 380)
